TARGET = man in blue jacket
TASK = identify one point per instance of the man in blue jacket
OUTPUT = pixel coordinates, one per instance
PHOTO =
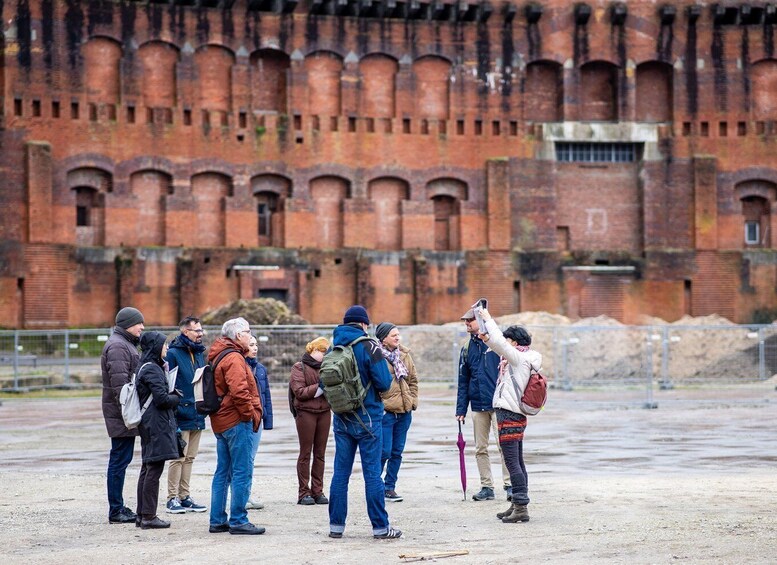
(188, 354)
(478, 371)
(364, 431)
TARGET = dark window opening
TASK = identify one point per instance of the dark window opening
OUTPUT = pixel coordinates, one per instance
(597, 152)
(82, 216)
(406, 125)
(74, 110)
(459, 127)
(17, 107)
(478, 127)
(55, 109)
(36, 108)
(187, 117)
(92, 112)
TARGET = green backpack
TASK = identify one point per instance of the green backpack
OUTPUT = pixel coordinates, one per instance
(343, 387)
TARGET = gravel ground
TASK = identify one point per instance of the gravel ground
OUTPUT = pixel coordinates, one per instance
(692, 481)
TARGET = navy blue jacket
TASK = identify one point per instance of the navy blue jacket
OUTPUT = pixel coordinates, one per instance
(179, 355)
(372, 366)
(478, 370)
(263, 385)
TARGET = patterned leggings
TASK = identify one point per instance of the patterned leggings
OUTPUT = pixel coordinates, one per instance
(511, 428)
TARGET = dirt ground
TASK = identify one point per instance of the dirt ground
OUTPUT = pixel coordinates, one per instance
(692, 481)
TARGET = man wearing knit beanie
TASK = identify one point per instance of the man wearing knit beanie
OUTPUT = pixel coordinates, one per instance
(360, 429)
(119, 361)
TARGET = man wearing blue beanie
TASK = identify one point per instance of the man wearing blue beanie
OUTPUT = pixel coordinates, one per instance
(362, 429)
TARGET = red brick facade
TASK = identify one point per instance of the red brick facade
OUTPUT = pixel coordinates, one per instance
(402, 155)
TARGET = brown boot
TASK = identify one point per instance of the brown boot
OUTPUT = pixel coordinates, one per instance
(520, 513)
(507, 512)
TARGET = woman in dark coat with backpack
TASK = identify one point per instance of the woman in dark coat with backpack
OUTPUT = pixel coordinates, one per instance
(158, 439)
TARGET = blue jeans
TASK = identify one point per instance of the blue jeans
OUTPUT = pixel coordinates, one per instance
(122, 449)
(349, 435)
(395, 427)
(234, 469)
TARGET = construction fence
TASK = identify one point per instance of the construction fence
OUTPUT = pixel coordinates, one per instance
(574, 356)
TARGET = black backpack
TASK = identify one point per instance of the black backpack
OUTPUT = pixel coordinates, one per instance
(206, 399)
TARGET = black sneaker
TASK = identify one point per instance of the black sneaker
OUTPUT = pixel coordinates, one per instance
(123, 516)
(321, 499)
(390, 534)
(392, 496)
(336, 535)
(306, 500)
(485, 493)
(218, 528)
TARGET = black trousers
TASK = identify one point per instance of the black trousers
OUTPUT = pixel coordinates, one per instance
(148, 489)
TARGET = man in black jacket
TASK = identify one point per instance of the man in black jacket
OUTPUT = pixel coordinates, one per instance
(478, 371)
(119, 361)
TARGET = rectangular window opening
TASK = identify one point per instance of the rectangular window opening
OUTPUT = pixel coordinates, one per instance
(741, 129)
(584, 152)
(187, 117)
(459, 127)
(424, 127)
(513, 128)
(752, 232)
(333, 123)
(705, 129)
(405, 125)
(36, 108)
(55, 109)
(496, 128)
(315, 123)
(478, 127)
(351, 124)
(111, 110)
(297, 122)
(92, 112)
(686, 129)
(18, 107)
(242, 120)
(74, 110)
(370, 122)
(723, 129)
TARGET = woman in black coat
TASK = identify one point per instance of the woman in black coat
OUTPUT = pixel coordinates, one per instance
(158, 440)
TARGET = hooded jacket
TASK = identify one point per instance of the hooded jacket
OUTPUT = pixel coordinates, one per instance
(236, 384)
(118, 362)
(513, 379)
(187, 360)
(372, 366)
(157, 428)
(263, 384)
(403, 395)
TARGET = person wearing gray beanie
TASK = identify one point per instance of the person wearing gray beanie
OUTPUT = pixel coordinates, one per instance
(128, 317)
(383, 330)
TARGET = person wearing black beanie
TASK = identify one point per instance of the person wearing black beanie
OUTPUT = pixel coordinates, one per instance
(118, 362)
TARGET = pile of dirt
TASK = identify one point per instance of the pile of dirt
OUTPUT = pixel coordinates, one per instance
(258, 312)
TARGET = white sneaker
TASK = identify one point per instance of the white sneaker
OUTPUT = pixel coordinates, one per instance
(253, 504)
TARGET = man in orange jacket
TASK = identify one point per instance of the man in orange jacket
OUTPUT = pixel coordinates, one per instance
(234, 425)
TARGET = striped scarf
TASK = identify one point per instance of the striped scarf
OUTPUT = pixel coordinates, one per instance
(400, 371)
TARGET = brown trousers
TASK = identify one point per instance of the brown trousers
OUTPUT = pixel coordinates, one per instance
(313, 432)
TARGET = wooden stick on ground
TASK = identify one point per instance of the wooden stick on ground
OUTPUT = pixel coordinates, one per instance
(423, 557)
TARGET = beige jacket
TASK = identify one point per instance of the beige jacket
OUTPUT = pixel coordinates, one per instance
(403, 395)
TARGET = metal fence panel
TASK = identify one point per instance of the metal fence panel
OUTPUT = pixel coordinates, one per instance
(574, 356)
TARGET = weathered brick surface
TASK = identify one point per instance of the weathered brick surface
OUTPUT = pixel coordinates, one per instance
(420, 142)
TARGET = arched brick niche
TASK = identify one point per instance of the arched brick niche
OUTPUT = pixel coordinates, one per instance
(431, 76)
(388, 193)
(158, 60)
(654, 92)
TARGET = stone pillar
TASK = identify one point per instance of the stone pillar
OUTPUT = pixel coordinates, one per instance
(498, 204)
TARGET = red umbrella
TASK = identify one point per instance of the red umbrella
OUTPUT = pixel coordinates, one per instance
(462, 466)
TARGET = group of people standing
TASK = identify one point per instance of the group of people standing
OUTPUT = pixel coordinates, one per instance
(171, 427)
